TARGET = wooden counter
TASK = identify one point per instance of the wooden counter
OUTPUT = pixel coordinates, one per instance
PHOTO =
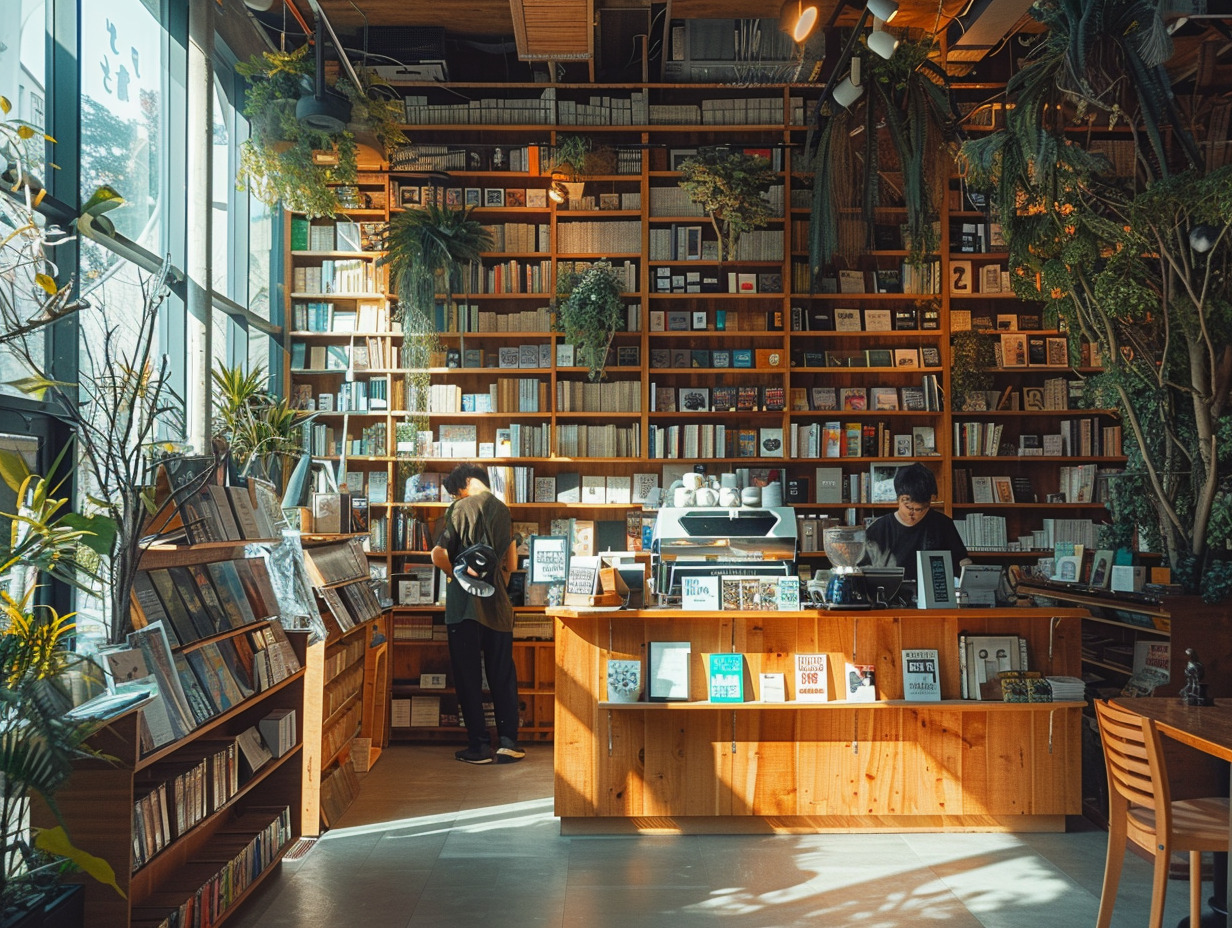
(891, 765)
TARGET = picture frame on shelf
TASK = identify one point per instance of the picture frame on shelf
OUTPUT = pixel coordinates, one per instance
(1002, 489)
(679, 156)
(1032, 398)
(1013, 349)
(548, 559)
(667, 665)
(960, 278)
(408, 195)
(904, 446)
(1057, 351)
(1101, 569)
(881, 482)
(493, 196)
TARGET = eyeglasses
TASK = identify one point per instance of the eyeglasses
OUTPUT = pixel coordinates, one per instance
(913, 510)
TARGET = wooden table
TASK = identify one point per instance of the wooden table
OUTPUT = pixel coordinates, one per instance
(1206, 728)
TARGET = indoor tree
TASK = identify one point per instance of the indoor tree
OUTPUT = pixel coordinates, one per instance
(731, 187)
(1138, 266)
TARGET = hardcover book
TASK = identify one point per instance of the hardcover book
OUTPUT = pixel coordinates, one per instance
(921, 679)
(859, 682)
(812, 678)
(727, 678)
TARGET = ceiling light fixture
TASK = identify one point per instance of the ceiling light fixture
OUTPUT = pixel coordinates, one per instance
(323, 109)
(885, 10)
(882, 42)
(798, 19)
(847, 92)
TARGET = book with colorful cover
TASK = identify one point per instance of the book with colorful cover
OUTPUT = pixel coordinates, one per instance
(727, 678)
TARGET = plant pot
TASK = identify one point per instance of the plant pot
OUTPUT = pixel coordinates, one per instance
(62, 908)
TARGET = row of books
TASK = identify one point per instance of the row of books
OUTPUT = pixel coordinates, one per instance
(252, 842)
(520, 237)
(468, 317)
(336, 275)
(401, 531)
(216, 513)
(861, 440)
(369, 316)
(742, 398)
(342, 729)
(337, 562)
(193, 686)
(351, 604)
(825, 317)
(696, 440)
(512, 276)
(611, 200)
(578, 440)
(589, 237)
(201, 600)
(339, 787)
(604, 396)
(328, 235)
(982, 532)
(186, 796)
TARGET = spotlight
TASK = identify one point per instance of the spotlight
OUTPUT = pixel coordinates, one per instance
(557, 192)
(882, 42)
(885, 10)
(476, 570)
(847, 93)
(1202, 238)
(798, 19)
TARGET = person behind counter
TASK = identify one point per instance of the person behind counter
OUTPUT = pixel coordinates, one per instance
(894, 539)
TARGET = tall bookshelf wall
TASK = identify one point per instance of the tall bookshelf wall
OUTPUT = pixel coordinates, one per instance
(696, 328)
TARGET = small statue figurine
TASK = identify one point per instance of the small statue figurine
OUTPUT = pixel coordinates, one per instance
(1193, 693)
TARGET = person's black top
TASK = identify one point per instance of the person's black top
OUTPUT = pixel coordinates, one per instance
(890, 543)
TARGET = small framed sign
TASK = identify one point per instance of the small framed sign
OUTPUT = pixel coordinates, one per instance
(934, 579)
(549, 559)
(668, 670)
(582, 582)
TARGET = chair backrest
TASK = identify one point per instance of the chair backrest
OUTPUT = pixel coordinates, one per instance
(1134, 759)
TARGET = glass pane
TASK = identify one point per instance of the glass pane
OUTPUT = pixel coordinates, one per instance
(260, 254)
(23, 61)
(23, 42)
(28, 448)
(124, 118)
(221, 214)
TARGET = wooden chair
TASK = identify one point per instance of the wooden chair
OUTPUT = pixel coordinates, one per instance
(1140, 808)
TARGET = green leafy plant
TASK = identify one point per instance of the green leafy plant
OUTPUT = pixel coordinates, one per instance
(282, 160)
(909, 103)
(1115, 259)
(261, 429)
(589, 311)
(971, 356)
(426, 250)
(730, 186)
(569, 155)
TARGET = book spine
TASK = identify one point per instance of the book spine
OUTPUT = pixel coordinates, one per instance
(962, 663)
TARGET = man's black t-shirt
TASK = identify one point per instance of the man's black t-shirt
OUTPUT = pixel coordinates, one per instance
(891, 543)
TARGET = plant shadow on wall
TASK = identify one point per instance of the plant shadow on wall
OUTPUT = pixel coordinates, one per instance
(285, 159)
(40, 674)
(590, 310)
(1140, 266)
(427, 250)
(731, 187)
(908, 106)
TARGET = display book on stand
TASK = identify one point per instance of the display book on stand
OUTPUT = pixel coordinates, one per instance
(206, 767)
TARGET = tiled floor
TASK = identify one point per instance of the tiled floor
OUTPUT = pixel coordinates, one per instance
(432, 843)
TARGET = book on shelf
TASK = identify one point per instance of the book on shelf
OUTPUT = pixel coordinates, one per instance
(921, 677)
(982, 657)
(726, 677)
(812, 681)
(859, 682)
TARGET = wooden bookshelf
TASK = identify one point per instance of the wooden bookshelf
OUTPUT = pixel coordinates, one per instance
(346, 682)
(104, 801)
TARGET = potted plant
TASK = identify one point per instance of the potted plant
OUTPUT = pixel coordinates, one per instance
(286, 160)
(261, 430)
(730, 186)
(1133, 265)
(589, 311)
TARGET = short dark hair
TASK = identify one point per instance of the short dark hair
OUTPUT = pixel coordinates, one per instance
(916, 482)
(460, 475)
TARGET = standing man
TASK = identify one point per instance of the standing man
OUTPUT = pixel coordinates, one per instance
(894, 539)
(480, 627)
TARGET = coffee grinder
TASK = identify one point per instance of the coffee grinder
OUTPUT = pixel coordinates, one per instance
(844, 546)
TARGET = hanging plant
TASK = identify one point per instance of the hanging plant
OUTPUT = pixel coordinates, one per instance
(426, 250)
(285, 160)
(591, 312)
(731, 187)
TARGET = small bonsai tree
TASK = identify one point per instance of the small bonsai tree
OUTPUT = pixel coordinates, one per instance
(730, 186)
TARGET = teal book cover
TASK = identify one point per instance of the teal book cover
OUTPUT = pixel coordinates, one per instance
(727, 678)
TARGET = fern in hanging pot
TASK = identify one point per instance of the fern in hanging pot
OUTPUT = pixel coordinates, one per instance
(589, 311)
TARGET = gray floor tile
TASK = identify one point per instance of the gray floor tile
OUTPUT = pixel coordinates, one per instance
(432, 843)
